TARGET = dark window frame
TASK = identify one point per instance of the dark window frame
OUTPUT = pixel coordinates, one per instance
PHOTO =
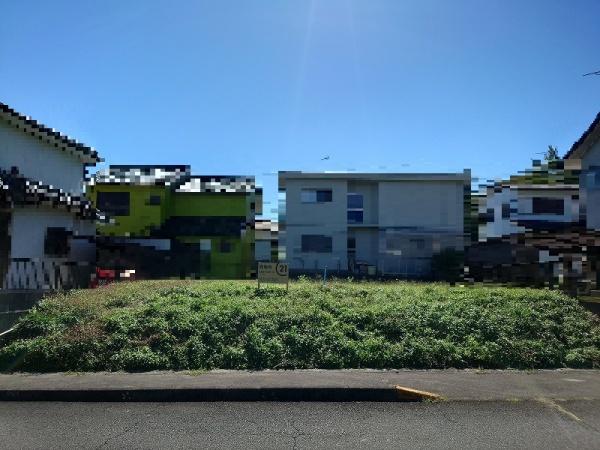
(548, 206)
(154, 200)
(316, 243)
(115, 206)
(355, 209)
(320, 195)
(56, 242)
(355, 216)
(419, 243)
(350, 200)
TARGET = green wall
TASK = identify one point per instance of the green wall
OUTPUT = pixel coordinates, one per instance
(142, 217)
(207, 204)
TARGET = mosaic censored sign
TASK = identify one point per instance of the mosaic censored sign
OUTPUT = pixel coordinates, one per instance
(273, 273)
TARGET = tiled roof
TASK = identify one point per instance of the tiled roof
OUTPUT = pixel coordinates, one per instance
(584, 136)
(143, 175)
(218, 184)
(18, 190)
(178, 178)
(50, 135)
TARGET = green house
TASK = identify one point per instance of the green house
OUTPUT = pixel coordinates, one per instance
(163, 222)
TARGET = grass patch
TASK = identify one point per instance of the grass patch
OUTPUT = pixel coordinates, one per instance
(203, 325)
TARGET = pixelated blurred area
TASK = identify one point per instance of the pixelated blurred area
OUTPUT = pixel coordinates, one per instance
(164, 222)
(47, 236)
(541, 227)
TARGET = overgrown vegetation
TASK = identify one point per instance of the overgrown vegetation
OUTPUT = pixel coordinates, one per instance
(200, 325)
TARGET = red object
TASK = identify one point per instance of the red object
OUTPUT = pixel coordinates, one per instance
(107, 276)
(103, 277)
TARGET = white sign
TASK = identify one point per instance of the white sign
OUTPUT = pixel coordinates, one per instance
(273, 273)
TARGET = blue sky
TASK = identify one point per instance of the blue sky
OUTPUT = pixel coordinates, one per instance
(257, 86)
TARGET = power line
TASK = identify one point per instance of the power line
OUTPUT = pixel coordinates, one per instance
(591, 73)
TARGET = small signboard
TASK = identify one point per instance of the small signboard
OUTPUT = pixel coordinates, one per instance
(273, 273)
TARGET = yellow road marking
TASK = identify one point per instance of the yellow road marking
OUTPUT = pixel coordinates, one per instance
(415, 393)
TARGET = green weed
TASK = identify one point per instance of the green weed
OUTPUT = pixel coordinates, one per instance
(203, 325)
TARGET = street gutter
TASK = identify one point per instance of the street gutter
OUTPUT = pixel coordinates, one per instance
(304, 385)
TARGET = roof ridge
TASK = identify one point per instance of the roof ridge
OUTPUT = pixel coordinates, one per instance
(80, 147)
(583, 137)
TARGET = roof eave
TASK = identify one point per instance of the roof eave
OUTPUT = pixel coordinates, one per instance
(586, 141)
(86, 154)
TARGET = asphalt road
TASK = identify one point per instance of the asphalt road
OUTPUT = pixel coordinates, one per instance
(507, 424)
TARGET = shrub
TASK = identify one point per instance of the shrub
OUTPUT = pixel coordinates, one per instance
(199, 325)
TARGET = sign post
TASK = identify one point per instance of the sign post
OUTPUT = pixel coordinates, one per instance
(273, 273)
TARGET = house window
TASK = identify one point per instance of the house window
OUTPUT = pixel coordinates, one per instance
(393, 243)
(224, 246)
(355, 201)
(418, 243)
(114, 203)
(56, 241)
(355, 208)
(355, 216)
(154, 200)
(316, 243)
(505, 211)
(316, 195)
(543, 205)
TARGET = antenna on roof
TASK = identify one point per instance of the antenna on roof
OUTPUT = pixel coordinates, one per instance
(591, 73)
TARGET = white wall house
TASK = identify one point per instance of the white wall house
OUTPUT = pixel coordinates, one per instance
(46, 226)
(386, 224)
(549, 216)
(585, 156)
(512, 208)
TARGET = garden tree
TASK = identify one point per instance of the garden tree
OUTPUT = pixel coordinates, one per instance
(447, 265)
(551, 154)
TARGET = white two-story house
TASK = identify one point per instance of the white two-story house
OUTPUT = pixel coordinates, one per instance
(47, 227)
(584, 156)
(543, 225)
(370, 223)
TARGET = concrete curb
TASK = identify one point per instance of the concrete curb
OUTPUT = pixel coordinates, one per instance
(303, 385)
(270, 394)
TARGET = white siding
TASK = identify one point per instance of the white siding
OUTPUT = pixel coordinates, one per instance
(39, 160)
(499, 226)
(525, 205)
(434, 208)
(327, 219)
(424, 204)
(28, 229)
(591, 191)
(30, 268)
(367, 245)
